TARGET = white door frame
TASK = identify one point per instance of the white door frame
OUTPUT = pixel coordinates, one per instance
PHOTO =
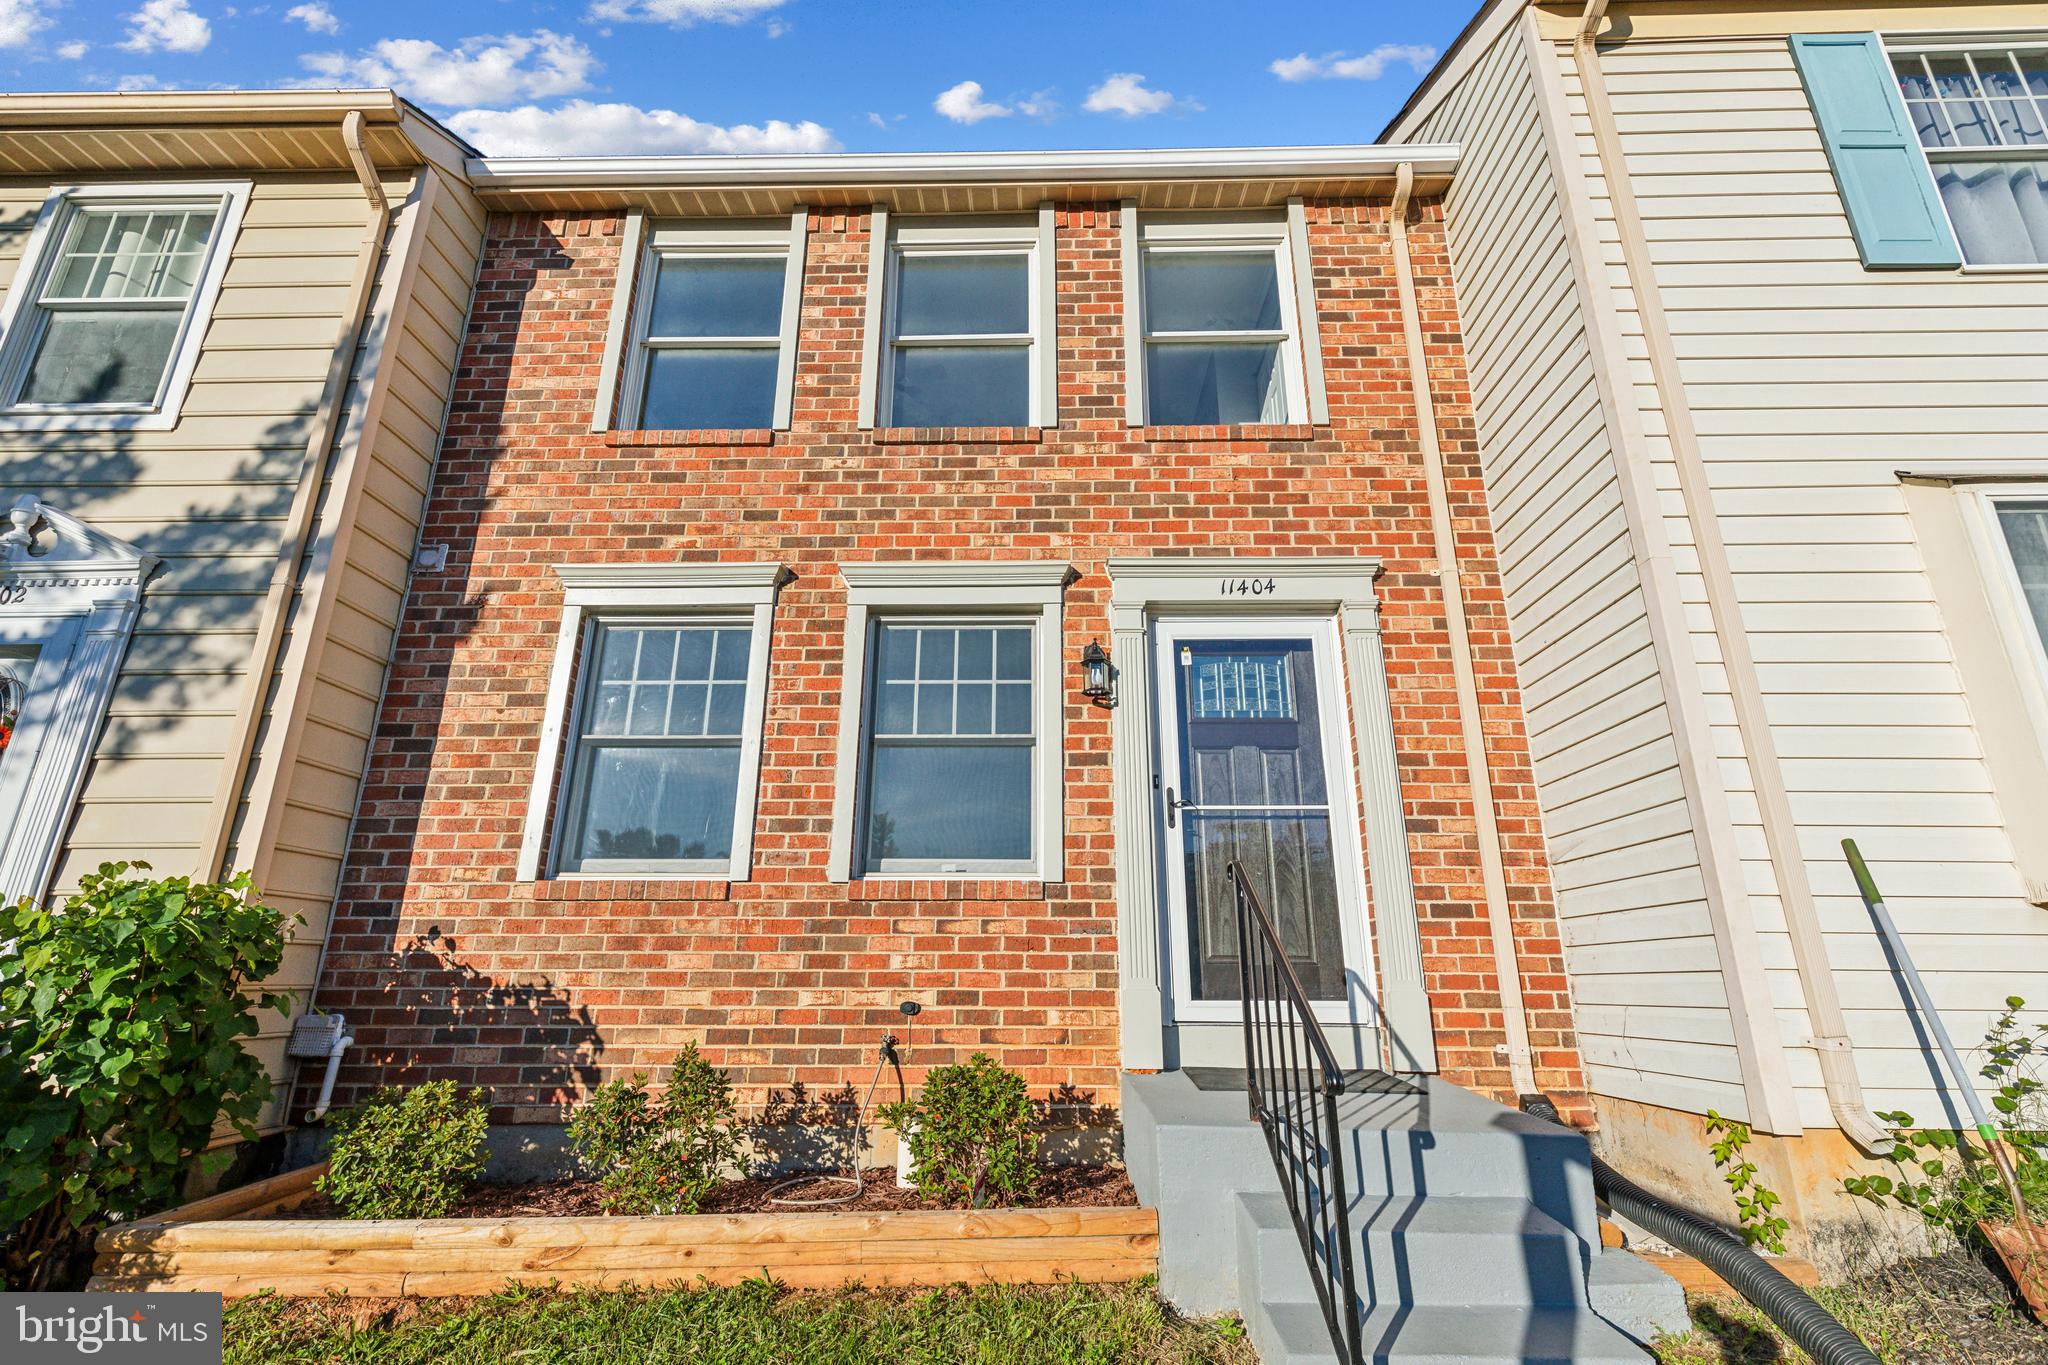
(1141, 591)
(1357, 1009)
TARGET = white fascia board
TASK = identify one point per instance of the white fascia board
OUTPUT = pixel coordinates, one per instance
(940, 168)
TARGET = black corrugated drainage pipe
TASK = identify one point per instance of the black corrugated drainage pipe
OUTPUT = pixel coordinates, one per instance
(1811, 1326)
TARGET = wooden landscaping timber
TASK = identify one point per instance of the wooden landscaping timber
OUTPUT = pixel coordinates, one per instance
(481, 1255)
(258, 1200)
(1696, 1277)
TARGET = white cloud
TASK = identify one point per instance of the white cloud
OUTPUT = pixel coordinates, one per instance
(963, 104)
(21, 20)
(1039, 105)
(479, 70)
(682, 13)
(582, 128)
(167, 26)
(316, 17)
(74, 49)
(134, 83)
(1336, 66)
(1125, 93)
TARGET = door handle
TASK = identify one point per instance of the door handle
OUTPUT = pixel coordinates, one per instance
(1172, 806)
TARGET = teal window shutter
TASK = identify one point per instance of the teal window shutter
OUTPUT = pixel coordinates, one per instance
(1893, 209)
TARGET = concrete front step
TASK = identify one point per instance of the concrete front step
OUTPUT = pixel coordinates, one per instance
(1295, 1333)
(1431, 1251)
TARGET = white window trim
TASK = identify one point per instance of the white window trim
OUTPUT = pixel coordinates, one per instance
(73, 593)
(1004, 235)
(623, 381)
(2023, 643)
(932, 591)
(18, 312)
(1285, 234)
(667, 591)
(1940, 43)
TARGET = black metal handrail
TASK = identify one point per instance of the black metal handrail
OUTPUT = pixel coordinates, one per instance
(1294, 1083)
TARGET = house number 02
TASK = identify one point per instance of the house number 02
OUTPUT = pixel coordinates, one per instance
(1246, 587)
(11, 593)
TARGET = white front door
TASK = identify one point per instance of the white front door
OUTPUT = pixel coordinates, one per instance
(1255, 767)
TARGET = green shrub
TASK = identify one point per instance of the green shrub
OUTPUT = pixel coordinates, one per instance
(971, 1133)
(407, 1153)
(1950, 1181)
(120, 1019)
(659, 1152)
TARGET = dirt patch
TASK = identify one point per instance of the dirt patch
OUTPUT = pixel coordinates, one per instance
(1062, 1187)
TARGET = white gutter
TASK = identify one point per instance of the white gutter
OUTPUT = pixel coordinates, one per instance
(1500, 922)
(1122, 167)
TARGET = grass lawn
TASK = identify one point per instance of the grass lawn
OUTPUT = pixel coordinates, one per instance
(754, 1322)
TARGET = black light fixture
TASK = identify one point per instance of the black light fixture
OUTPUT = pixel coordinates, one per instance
(1094, 673)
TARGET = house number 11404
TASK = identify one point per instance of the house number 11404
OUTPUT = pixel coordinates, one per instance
(1246, 587)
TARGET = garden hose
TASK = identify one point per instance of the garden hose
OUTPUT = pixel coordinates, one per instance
(853, 1144)
(1811, 1326)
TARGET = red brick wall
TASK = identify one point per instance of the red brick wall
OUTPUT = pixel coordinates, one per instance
(448, 966)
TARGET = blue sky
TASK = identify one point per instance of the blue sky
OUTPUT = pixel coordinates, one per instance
(596, 77)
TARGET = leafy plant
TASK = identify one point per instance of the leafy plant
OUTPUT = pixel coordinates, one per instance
(659, 1152)
(1754, 1200)
(971, 1134)
(1951, 1182)
(407, 1153)
(120, 1018)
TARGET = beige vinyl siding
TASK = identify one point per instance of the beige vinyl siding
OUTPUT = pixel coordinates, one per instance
(1812, 381)
(1652, 1013)
(212, 495)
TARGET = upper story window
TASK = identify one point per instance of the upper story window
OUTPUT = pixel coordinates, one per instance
(714, 327)
(103, 323)
(1220, 323)
(1981, 114)
(964, 324)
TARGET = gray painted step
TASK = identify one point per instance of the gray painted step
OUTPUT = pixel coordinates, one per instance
(1636, 1296)
(1295, 1333)
(1434, 1251)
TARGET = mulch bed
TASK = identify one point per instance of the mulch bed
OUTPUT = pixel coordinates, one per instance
(1062, 1187)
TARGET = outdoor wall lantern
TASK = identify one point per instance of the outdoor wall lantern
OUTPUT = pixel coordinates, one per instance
(1095, 674)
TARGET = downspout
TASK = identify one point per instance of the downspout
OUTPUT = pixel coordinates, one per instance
(299, 523)
(1500, 924)
(1830, 1040)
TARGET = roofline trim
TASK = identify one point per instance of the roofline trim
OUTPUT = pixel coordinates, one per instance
(944, 168)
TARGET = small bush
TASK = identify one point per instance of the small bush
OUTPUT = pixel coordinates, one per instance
(971, 1133)
(407, 1153)
(121, 1020)
(659, 1152)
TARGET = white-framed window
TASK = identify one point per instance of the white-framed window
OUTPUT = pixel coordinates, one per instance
(951, 761)
(2012, 529)
(102, 325)
(650, 750)
(1218, 306)
(713, 327)
(963, 308)
(1980, 110)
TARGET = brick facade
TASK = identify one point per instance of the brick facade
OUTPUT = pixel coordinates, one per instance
(446, 965)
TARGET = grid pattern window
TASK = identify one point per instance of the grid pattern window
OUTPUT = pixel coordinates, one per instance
(951, 742)
(655, 772)
(1221, 343)
(1981, 114)
(111, 303)
(962, 330)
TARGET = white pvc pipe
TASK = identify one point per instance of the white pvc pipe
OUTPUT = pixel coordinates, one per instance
(342, 1043)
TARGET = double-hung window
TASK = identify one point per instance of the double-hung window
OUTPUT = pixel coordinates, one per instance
(966, 321)
(950, 744)
(714, 327)
(651, 743)
(103, 325)
(1980, 111)
(1220, 325)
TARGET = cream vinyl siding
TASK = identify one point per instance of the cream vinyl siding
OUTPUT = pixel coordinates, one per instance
(1811, 382)
(211, 496)
(1652, 1014)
